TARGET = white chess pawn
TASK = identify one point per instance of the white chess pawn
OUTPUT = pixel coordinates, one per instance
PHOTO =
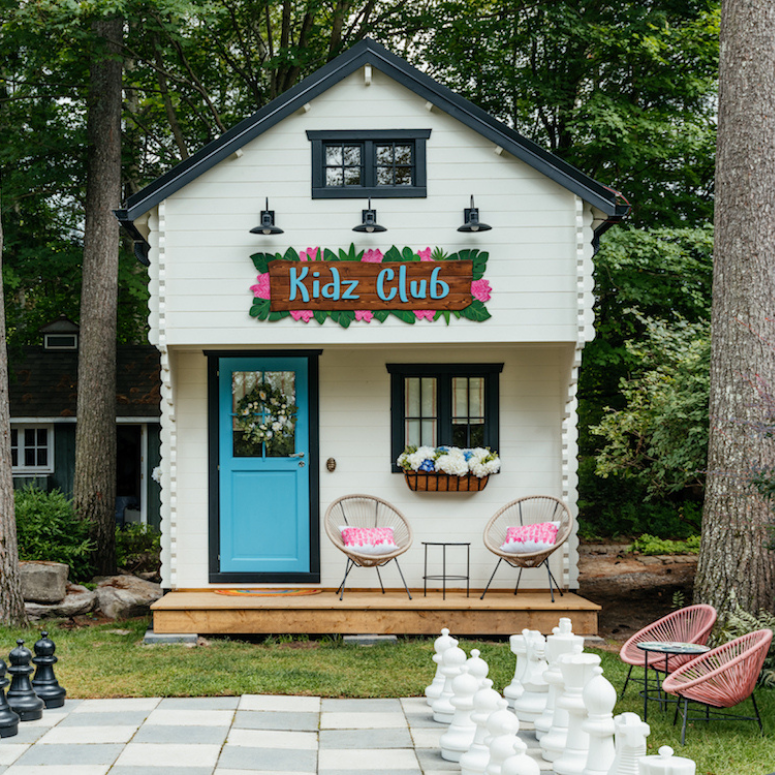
(577, 670)
(486, 702)
(631, 734)
(599, 698)
(553, 742)
(520, 763)
(477, 666)
(451, 661)
(458, 738)
(562, 641)
(519, 648)
(531, 704)
(665, 764)
(503, 732)
(440, 645)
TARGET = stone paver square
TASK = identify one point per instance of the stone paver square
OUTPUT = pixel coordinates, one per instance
(415, 705)
(146, 770)
(61, 769)
(266, 738)
(159, 733)
(199, 703)
(367, 760)
(106, 719)
(274, 760)
(87, 735)
(294, 722)
(10, 752)
(280, 703)
(427, 738)
(70, 754)
(168, 755)
(364, 738)
(362, 706)
(431, 761)
(194, 718)
(230, 771)
(120, 706)
(354, 720)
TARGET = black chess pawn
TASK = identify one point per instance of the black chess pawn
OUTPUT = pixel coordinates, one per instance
(21, 695)
(9, 721)
(45, 683)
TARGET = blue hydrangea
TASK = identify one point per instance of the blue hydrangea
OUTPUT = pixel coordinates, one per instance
(468, 454)
(427, 465)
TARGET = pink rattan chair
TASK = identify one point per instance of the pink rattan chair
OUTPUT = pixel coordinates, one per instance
(721, 678)
(687, 625)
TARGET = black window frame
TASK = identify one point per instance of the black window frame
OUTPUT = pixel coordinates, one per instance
(444, 374)
(369, 140)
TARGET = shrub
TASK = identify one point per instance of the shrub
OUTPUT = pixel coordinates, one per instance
(137, 546)
(48, 529)
(648, 544)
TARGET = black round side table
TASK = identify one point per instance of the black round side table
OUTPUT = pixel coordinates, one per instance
(444, 577)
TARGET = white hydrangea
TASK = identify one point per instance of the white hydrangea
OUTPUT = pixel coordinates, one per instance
(452, 462)
(483, 462)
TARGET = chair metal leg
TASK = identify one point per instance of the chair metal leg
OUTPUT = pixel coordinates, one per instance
(491, 578)
(683, 726)
(519, 578)
(551, 575)
(626, 681)
(677, 708)
(758, 717)
(402, 578)
(348, 568)
(379, 576)
(551, 589)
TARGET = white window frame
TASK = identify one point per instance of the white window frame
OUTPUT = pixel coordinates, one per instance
(22, 470)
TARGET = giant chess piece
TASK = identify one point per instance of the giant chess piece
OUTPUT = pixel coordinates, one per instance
(599, 698)
(9, 721)
(503, 734)
(520, 763)
(486, 702)
(553, 742)
(21, 695)
(44, 682)
(562, 641)
(452, 660)
(458, 738)
(477, 666)
(531, 704)
(577, 670)
(440, 645)
(666, 764)
(631, 734)
(514, 690)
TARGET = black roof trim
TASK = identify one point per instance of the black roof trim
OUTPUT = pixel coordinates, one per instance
(370, 52)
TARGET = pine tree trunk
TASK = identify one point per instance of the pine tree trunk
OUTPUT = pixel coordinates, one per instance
(95, 468)
(11, 602)
(736, 521)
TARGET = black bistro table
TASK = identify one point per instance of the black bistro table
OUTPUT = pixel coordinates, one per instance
(666, 649)
(444, 577)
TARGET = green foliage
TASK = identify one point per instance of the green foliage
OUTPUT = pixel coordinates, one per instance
(48, 530)
(740, 622)
(648, 544)
(135, 544)
(660, 436)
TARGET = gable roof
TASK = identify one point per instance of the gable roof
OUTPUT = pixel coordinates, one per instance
(369, 52)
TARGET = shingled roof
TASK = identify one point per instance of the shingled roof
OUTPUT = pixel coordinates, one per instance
(45, 383)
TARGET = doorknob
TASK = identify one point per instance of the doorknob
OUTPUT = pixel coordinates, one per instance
(297, 454)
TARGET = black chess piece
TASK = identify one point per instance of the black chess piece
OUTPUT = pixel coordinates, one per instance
(21, 696)
(45, 683)
(9, 721)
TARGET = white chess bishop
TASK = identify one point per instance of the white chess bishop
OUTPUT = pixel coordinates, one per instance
(599, 698)
(458, 738)
(452, 660)
(440, 645)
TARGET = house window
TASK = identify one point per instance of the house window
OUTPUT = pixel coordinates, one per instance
(353, 164)
(32, 449)
(438, 404)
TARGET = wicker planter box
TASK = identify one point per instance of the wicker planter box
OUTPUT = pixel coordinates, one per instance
(434, 482)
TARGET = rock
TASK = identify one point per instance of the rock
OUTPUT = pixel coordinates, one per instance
(44, 582)
(76, 602)
(121, 597)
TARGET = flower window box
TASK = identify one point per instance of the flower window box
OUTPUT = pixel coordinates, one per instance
(448, 469)
(439, 482)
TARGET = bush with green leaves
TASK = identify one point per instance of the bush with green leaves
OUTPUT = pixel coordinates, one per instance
(137, 545)
(48, 529)
(648, 544)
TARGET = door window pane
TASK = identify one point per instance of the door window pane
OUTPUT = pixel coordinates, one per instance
(264, 413)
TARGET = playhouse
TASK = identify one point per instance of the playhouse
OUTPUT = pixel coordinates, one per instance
(368, 262)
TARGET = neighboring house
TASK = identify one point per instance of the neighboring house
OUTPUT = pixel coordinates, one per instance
(43, 393)
(498, 369)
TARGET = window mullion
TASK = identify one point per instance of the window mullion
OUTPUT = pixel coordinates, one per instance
(444, 383)
(369, 164)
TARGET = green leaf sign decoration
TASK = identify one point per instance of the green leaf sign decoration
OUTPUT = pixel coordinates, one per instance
(380, 284)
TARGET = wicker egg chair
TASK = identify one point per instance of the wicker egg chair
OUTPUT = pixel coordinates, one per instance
(721, 679)
(527, 511)
(367, 511)
(692, 624)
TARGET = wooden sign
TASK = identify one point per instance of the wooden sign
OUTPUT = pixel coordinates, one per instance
(361, 285)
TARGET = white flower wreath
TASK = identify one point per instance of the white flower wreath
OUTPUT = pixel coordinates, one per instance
(265, 415)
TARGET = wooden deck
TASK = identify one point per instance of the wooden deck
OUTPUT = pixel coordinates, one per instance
(500, 613)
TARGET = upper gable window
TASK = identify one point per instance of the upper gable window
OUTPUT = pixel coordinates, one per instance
(352, 163)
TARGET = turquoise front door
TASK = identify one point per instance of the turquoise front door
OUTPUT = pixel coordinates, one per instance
(264, 468)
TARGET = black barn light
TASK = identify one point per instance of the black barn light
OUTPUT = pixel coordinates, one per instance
(471, 218)
(368, 222)
(267, 222)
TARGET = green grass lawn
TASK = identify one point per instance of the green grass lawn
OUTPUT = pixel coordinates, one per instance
(110, 661)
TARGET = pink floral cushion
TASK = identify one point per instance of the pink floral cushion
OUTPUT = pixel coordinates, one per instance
(369, 540)
(530, 538)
